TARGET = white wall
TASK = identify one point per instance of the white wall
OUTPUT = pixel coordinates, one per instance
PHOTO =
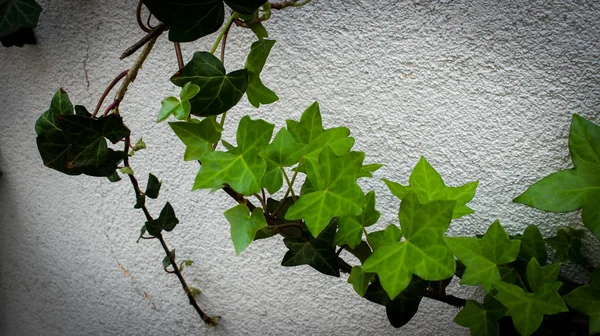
(484, 89)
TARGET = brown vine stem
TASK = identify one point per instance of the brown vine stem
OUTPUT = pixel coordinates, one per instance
(155, 32)
(179, 55)
(289, 3)
(136, 187)
(107, 91)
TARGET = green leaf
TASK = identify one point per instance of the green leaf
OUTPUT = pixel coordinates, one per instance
(259, 30)
(170, 105)
(429, 186)
(390, 235)
(241, 167)
(139, 145)
(336, 192)
(567, 245)
(362, 251)
(165, 221)
(368, 170)
(166, 262)
(126, 170)
(528, 309)
(179, 109)
(185, 263)
(188, 20)
(18, 14)
(284, 151)
(257, 92)
(483, 256)
(360, 280)
(114, 177)
(197, 137)
(244, 226)
(586, 299)
(424, 251)
(318, 253)
(219, 91)
(350, 228)
(245, 6)
(577, 188)
(153, 186)
(533, 246)
(194, 291)
(538, 275)
(481, 319)
(140, 201)
(142, 232)
(46, 124)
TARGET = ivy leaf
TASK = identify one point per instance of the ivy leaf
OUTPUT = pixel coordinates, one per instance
(284, 151)
(533, 246)
(403, 307)
(369, 169)
(538, 275)
(140, 201)
(360, 280)
(429, 186)
(259, 30)
(528, 309)
(126, 170)
(179, 109)
(198, 137)
(350, 228)
(165, 221)
(139, 145)
(586, 299)
(257, 92)
(483, 256)
(577, 188)
(166, 262)
(318, 253)
(114, 177)
(336, 192)
(390, 235)
(219, 91)
(362, 251)
(424, 251)
(46, 124)
(188, 20)
(567, 245)
(245, 6)
(241, 167)
(244, 225)
(153, 186)
(481, 319)
(18, 14)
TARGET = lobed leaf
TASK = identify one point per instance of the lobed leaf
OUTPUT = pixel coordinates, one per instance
(257, 92)
(244, 225)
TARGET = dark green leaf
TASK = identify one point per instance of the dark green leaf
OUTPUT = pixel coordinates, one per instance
(218, 91)
(18, 14)
(245, 6)
(482, 320)
(166, 261)
(46, 124)
(567, 245)
(586, 299)
(80, 110)
(577, 188)
(362, 251)
(533, 246)
(142, 232)
(257, 92)
(165, 221)
(153, 186)
(140, 201)
(538, 275)
(114, 177)
(319, 253)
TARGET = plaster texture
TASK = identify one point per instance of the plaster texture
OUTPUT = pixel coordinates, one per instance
(485, 90)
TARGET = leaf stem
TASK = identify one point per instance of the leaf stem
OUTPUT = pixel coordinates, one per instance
(179, 55)
(138, 16)
(289, 183)
(107, 91)
(222, 33)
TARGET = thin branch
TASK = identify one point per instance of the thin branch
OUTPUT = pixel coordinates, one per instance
(138, 16)
(107, 91)
(289, 3)
(155, 32)
(179, 55)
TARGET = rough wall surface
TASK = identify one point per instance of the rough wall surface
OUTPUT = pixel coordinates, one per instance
(484, 90)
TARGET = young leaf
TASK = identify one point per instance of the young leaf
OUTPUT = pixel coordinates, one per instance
(576, 188)
(538, 276)
(18, 14)
(153, 186)
(198, 137)
(360, 280)
(586, 299)
(350, 228)
(483, 256)
(257, 92)
(126, 170)
(282, 152)
(241, 167)
(567, 245)
(481, 319)
(369, 169)
(337, 194)
(244, 225)
(218, 91)
(424, 251)
(188, 20)
(179, 109)
(429, 186)
(528, 309)
(139, 145)
(165, 221)
(166, 262)
(318, 253)
(390, 235)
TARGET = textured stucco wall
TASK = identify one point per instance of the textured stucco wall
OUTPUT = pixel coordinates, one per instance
(484, 89)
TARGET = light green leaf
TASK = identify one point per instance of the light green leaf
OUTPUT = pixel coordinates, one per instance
(244, 226)
(197, 137)
(528, 309)
(429, 186)
(257, 92)
(481, 319)
(538, 276)
(424, 251)
(483, 256)
(586, 299)
(567, 245)
(17, 14)
(390, 235)
(165, 221)
(241, 167)
(153, 186)
(126, 170)
(350, 228)
(336, 192)
(284, 151)
(360, 280)
(218, 91)
(179, 109)
(577, 188)
(169, 105)
(139, 145)
(369, 169)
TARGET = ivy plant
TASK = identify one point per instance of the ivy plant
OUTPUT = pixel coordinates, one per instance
(299, 184)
